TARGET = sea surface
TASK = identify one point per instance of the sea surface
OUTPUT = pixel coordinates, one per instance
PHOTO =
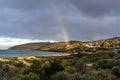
(25, 53)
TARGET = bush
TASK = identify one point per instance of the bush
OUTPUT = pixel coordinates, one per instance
(70, 70)
(78, 76)
(45, 71)
(91, 76)
(80, 67)
(75, 76)
(9, 75)
(60, 76)
(116, 71)
(55, 67)
(106, 75)
(107, 63)
(30, 76)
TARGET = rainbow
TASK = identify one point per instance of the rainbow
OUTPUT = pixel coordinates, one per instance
(61, 20)
(66, 36)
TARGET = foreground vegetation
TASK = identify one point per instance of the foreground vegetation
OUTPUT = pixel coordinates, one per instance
(99, 65)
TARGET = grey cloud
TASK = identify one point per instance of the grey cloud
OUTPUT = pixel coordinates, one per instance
(27, 5)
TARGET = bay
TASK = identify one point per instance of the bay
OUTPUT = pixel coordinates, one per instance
(25, 53)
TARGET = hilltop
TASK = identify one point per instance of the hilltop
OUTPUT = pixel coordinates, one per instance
(70, 45)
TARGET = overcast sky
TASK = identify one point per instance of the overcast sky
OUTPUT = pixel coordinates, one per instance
(46, 19)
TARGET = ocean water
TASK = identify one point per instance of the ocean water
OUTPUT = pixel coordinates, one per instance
(25, 53)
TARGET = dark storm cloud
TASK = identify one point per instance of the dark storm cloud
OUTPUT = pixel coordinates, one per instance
(98, 7)
(92, 29)
(38, 19)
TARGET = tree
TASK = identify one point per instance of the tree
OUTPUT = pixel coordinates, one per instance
(105, 45)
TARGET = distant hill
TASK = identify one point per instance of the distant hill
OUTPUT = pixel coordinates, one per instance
(108, 39)
(114, 38)
(64, 46)
(44, 46)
